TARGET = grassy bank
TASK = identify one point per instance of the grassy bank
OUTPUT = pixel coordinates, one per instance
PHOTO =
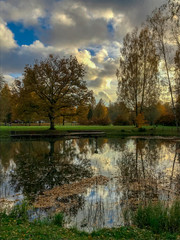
(150, 222)
(111, 131)
(35, 232)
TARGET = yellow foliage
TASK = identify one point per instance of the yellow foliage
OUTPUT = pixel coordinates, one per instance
(140, 121)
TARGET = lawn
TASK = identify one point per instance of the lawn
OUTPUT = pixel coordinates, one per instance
(111, 131)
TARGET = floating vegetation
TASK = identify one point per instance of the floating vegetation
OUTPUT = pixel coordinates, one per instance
(65, 196)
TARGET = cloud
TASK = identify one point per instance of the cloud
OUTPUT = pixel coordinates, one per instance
(136, 10)
(84, 57)
(97, 83)
(7, 41)
(9, 79)
(27, 12)
(79, 30)
(104, 96)
(15, 60)
(101, 55)
(91, 30)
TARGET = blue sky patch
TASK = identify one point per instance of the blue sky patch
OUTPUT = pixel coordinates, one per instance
(22, 35)
(15, 75)
(110, 27)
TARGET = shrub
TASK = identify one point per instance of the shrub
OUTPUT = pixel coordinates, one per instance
(58, 219)
(158, 218)
(166, 120)
(121, 121)
(20, 211)
(101, 121)
(141, 130)
(140, 121)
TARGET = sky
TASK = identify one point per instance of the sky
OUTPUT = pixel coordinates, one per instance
(91, 30)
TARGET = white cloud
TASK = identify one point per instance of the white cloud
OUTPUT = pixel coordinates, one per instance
(27, 12)
(74, 27)
(85, 58)
(9, 79)
(101, 55)
(7, 41)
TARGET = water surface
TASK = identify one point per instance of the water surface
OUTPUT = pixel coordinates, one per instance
(95, 181)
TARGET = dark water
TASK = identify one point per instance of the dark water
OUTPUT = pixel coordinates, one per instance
(61, 176)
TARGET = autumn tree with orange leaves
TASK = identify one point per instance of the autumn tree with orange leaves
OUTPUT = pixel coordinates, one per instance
(58, 84)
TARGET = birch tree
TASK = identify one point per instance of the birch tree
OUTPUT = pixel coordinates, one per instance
(138, 71)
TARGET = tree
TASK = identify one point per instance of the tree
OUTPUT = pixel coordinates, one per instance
(58, 84)
(119, 113)
(138, 71)
(100, 114)
(24, 103)
(2, 82)
(5, 104)
(152, 114)
(140, 121)
(165, 29)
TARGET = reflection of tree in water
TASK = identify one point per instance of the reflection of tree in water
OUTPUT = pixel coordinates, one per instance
(176, 177)
(137, 176)
(39, 168)
(7, 151)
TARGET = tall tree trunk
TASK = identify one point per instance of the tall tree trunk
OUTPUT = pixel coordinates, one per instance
(144, 83)
(51, 123)
(170, 87)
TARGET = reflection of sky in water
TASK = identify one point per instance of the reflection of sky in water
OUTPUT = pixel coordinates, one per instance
(138, 170)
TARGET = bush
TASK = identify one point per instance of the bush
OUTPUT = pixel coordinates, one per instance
(158, 218)
(58, 219)
(121, 121)
(20, 212)
(166, 120)
(141, 130)
(101, 121)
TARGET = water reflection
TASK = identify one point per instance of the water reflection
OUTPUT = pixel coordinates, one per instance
(41, 166)
(62, 174)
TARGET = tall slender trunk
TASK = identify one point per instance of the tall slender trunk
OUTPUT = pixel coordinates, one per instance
(144, 84)
(170, 87)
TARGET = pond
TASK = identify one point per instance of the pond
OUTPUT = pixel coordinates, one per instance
(95, 181)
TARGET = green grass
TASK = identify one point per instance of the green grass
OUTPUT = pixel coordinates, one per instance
(159, 218)
(11, 231)
(16, 225)
(111, 131)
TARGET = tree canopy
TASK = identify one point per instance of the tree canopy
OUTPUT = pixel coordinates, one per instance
(138, 71)
(56, 83)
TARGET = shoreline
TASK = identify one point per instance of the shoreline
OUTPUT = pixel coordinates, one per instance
(8, 132)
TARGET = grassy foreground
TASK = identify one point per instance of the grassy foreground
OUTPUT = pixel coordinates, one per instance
(111, 131)
(150, 222)
(11, 230)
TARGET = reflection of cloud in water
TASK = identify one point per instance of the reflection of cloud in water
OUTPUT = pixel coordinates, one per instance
(6, 190)
(104, 162)
(139, 170)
